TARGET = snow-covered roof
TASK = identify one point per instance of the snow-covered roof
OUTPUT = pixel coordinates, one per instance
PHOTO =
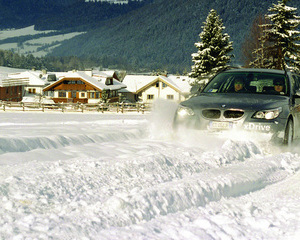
(183, 82)
(11, 70)
(136, 83)
(32, 76)
(6, 81)
(97, 82)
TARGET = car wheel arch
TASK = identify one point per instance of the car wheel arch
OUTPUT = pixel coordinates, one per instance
(287, 129)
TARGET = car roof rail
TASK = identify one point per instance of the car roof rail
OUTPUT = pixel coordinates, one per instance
(285, 70)
(228, 68)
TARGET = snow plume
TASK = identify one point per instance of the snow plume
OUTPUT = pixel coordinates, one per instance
(161, 118)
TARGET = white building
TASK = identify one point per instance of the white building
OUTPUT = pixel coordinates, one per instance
(149, 88)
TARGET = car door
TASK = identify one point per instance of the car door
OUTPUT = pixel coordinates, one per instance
(295, 85)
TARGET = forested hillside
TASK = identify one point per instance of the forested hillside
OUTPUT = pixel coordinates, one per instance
(161, 35)
(147, 35)
(60, 14)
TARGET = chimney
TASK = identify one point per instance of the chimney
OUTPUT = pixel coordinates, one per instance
(89, 72)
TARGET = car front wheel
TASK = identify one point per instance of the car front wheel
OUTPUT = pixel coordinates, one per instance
(289, 133)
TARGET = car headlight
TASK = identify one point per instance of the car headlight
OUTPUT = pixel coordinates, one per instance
(268, 114)
(184, 111)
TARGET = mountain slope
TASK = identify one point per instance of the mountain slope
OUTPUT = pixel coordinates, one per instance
(162, 34)
(60, 14)
(156, 34)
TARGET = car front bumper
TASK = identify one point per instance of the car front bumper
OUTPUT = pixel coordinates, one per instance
(273, 127)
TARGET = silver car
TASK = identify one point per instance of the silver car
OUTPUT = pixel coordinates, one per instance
(255, 100)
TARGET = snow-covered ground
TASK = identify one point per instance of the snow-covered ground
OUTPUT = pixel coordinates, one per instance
(33, 46)
(126, 176)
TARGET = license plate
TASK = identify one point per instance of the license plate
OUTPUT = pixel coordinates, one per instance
(220, 125)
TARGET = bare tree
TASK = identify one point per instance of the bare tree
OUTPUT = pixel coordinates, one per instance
(252, 43)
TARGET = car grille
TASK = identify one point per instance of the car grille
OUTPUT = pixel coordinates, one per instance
(216, 114)
(233, 114)
(211, 113)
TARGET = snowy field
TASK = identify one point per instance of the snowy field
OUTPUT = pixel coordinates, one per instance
(33, 46)
(125, 176)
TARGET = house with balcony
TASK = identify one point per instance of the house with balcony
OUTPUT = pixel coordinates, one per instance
(12, 89)
(142, 88)
(84, 87)
(35, 84)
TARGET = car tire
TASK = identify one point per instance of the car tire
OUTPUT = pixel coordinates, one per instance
(289, 133)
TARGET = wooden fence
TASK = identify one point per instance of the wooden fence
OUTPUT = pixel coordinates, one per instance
(76, 107)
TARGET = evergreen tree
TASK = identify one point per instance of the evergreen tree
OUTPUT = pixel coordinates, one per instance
(104, 96)
(280, 42)
(213, 49)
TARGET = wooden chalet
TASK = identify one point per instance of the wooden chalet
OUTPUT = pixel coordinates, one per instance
(12, 89)
(83, 87)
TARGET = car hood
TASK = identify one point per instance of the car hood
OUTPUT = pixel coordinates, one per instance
(236, 101)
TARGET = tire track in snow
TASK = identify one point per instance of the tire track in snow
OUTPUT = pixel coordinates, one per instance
(161, 179)
(199, 189)
(25, 144)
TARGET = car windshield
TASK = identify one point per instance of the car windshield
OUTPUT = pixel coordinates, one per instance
(248, 82)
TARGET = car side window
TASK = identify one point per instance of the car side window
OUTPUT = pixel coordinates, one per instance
(296, 82)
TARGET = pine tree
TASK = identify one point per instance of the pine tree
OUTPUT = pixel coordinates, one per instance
(280, 42)
(213, 49)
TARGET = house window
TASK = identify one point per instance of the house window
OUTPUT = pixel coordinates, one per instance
(97, 95)
(33, 90)
(109, 81)
(157, 84)
(73, 94)
(164, 85)
(170, 97)
(92, 95)
(150, 96)
(82, 94)
(29, 90)
(62, 94)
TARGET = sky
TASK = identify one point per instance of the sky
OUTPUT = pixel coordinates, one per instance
(129, 176)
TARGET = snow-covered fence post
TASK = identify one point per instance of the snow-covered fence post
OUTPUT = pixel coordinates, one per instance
(4, 107)
(23, 106)
(143, 108)
(122, 107)
(62, 107)
(102, 107)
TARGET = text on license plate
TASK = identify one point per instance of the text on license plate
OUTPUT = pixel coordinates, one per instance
(220, 125)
